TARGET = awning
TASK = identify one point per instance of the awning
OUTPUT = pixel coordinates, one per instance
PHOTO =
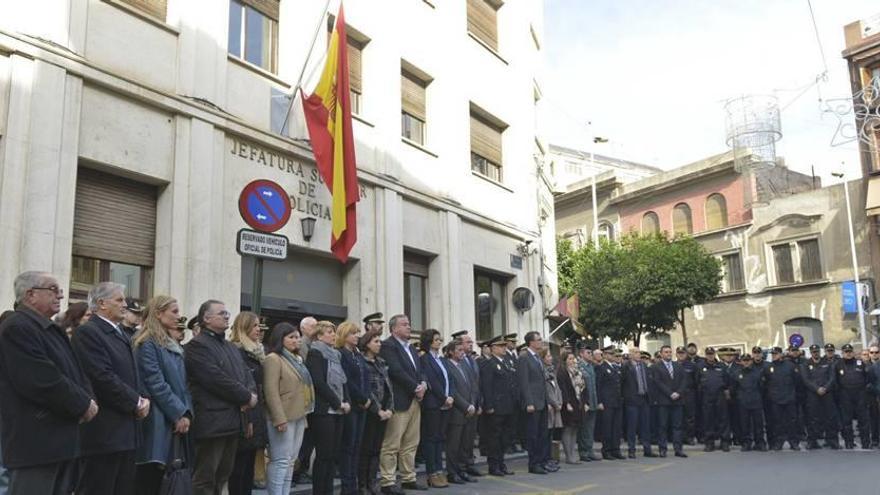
(872, 203)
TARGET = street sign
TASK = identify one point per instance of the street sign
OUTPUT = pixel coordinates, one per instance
(849, 295)
(796, 340)
(264, 205)
(262, 245)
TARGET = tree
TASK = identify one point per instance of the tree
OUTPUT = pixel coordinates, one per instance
(642, 285)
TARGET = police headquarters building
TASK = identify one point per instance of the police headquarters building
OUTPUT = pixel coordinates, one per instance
(128, 129)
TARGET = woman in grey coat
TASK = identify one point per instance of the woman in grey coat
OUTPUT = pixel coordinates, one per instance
(159, 359)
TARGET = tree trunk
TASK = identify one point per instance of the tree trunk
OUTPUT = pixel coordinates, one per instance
(684, 333)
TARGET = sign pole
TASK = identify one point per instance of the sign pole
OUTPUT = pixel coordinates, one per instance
(257, 292)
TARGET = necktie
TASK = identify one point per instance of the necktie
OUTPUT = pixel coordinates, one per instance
(640, 378)
(669, 369)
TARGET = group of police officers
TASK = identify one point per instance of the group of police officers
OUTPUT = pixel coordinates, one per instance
(755, 401)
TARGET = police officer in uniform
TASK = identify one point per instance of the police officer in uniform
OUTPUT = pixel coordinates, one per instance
(796, 357)
(689, 398)
(498, 388)
(714, 390)
(819, 383)
(610, 397)
(374, 322)
(781, 379)
(748, 384)
(852, 378)
(728, 357)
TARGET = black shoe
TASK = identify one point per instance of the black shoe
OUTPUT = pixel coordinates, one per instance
(725, 447)
(467, 478)
(537, 470)
(649, 454)
(507, 472)
(710, 447)
(746, 448)
(681, 454)
(392, 490)
(631, 455)
(496, 472)
(455, 479)
(608, 456)
(472, 471)
(814, 445)
(585, 458)
(833, 446)
(761, 448)
(618, 455)
(794, 446)
(302, 479)
(414, 485)
(849, 445)
(663, 454)
(551, 467)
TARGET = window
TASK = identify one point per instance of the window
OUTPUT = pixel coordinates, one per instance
(413, 107)
(253, 32)
(155, 8)
(716, 212)
(279, 105)
(85, 273)
(489, 304)
(482, 19)
(486, 147)
(355, 45)
(415, 288)
(732, 272)
(606, 231)
(797, 261)
(650, 223)
(682, 222)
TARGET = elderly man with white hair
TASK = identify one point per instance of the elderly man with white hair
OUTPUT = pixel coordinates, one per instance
(104, 350)
(43, 391)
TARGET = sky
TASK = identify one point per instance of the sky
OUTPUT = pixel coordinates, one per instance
(652, 76)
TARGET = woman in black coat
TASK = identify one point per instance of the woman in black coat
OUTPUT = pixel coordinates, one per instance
(379, 411)
(358, 389)
(247, 336)
(573, 388)
(324, 362)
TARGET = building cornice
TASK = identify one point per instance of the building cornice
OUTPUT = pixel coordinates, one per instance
(671, 180)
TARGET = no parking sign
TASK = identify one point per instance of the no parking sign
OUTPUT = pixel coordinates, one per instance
(264, 205)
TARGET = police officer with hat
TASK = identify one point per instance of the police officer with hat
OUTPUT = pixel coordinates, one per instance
(610, 396)
(748, 383)
(781, 380)
(819, 382)
(374, 322)
(689, 398)
(852, 378)
(714, 389)
(132, 318)
(498, 388)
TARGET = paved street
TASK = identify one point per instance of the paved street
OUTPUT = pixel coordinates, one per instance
(735, 473)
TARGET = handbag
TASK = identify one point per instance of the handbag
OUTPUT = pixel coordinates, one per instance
(178, 472)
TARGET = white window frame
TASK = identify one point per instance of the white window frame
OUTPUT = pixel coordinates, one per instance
(723, 283)
(792, 243)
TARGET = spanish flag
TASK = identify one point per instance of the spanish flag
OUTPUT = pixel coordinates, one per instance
(328, 117)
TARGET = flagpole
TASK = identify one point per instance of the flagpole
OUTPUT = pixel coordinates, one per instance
(305, 64)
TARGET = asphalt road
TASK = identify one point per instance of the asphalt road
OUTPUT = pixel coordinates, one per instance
(821, 472)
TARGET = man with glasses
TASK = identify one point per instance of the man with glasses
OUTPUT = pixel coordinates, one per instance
(819, 382)
(103, 348)
(852, 378)
(222, 388)
(44, 393)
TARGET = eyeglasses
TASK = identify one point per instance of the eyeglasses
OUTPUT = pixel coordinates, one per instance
(874, 352)
(52, 288)
(222, 314)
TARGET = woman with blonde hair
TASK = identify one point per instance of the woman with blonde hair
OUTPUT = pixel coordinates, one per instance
(324, 362)
(159, 359)
(247, 335)
(358, 384)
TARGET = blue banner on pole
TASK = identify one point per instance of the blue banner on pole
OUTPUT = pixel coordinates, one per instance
(849, 294)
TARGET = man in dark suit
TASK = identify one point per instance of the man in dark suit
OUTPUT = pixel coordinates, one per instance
(669, 381)
(533, 392)
(636, 392)
(104, 351)
(471, 367)
(465, 396)
(608, 389)
(408, 388)
(44, 395)
(498, 387)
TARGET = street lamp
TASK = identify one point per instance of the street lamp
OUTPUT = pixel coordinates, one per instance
(596, 140)
(855, 263)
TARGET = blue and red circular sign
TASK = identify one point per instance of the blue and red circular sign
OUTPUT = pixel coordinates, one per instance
(796, 339)
(264, 205)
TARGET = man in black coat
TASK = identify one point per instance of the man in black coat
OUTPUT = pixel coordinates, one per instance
(781, 379)
(714, 391)
(104, 351)
(472, 369)
(669, 381)
(402, 433)
(533, 393)
(498, 387)
(608, 389)
(465, 397)
(636, 400)
(748, 384)
(819, 381)
(853, 382)
(222, 388)
(43, 392)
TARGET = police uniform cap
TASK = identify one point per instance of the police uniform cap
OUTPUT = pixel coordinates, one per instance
(374, 318)
(191, 324)
(793, 348)
(133, 306)
(460, 333)
(263, 325)
(520, 347)
(498, 340)
(757, 350)
(646, 355)
(746, 357)
(846, 347)
(829, 347)
(691, 344)
(583, 346)
(181, 323)
(709, 350)
(815, 347)
(609, 348)
(511, 337)
(680, 350)
(776, 350)
(726, 351)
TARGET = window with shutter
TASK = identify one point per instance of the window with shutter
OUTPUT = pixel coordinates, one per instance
(682, 221)
(482, 18)
(415, 288)
(253, 32)
(355, 80)
(810, 264)
(783, 262)
(154, 8)
(716, 212)
(489, 304)
(413, 107)
(733, 272)
(650, 223)
(486, 156)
